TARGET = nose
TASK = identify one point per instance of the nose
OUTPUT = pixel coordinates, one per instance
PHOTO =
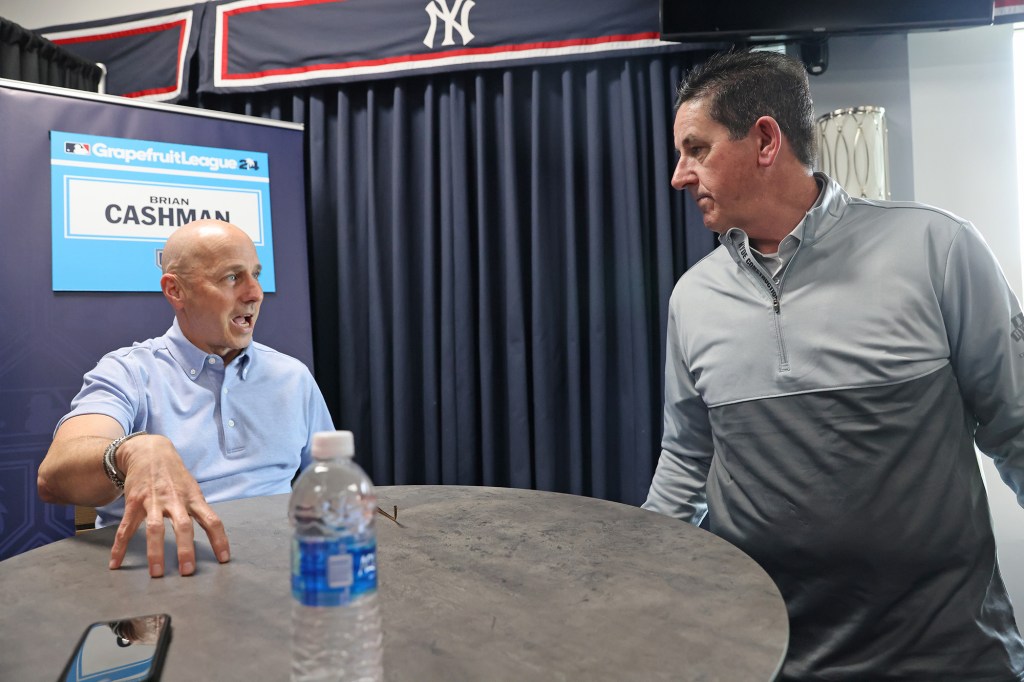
(253, 292)
(683, 176)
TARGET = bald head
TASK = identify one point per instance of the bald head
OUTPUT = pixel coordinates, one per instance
(197, 243)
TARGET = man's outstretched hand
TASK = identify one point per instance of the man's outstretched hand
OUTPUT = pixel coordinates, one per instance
(157, 485)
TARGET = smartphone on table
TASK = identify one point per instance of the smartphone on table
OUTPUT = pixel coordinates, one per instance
(130, 649)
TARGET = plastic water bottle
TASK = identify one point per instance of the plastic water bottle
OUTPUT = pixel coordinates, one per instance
(336, 631)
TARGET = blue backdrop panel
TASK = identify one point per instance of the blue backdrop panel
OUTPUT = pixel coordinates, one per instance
(48, 339)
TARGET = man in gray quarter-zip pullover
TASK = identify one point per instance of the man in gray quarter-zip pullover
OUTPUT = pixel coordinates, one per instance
(830, 368)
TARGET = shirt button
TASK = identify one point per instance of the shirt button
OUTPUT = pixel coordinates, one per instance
(192, 372)
(211, 360)
(231, 423)
(226, 390)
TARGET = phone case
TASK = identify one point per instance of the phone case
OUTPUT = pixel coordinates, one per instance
(123, 633)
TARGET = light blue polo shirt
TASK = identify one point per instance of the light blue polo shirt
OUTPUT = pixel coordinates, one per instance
(242, 429)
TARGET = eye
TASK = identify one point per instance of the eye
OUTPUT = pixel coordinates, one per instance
(256, 275)
(232, 277)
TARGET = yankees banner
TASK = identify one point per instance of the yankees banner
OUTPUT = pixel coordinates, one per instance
(146, 56)
(1007, 11)
(251, 45)
(263, 44)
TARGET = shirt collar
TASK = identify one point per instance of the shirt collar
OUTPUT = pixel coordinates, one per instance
(820, 217)
(826, 211)
(812, 217)
(193, 360)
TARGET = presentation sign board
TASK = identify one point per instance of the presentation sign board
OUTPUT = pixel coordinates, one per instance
(50, 339)
(115, 201)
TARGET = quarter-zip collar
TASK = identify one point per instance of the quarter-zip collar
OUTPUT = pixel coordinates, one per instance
(816, 223)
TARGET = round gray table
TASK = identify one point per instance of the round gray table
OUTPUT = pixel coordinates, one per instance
(476, 584)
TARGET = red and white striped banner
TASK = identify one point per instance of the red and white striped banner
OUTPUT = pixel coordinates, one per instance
(1007, 10)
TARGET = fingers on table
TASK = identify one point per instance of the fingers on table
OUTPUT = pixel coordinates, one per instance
(214, 528)
(133, 515)
(184, 533)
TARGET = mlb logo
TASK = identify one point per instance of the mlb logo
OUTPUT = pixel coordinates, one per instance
(76, 148)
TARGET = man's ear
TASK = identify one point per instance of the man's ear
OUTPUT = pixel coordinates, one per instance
(769, 140)
(174, 290)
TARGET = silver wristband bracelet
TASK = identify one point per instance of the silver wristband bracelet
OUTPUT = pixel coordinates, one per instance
(110, 461)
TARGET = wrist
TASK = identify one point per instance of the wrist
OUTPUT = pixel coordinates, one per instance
(110, 465)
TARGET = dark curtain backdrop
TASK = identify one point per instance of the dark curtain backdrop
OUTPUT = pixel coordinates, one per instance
(27, 56)
(492, 256)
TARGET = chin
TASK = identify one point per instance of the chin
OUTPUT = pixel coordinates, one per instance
(717, 223)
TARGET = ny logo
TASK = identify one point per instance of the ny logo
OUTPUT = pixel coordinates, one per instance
(1018, 328)
(438, 9)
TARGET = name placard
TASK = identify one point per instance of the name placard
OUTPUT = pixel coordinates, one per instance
(115, 201)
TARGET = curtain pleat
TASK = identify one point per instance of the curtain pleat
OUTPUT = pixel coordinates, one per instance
(27, 56)
(492, 255)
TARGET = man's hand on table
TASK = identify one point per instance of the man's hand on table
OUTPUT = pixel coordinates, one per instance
(158, 485)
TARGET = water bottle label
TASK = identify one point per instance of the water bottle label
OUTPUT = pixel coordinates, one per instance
(333, 572)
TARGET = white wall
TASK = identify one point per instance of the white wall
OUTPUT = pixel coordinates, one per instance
(34, 14)
(872, 71)
(962, 100)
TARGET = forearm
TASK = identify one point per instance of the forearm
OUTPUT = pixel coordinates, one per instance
(72, 473)
(1011, 470)
(678, 488)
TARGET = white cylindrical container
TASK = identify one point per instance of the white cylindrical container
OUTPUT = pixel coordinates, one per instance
(853, 149)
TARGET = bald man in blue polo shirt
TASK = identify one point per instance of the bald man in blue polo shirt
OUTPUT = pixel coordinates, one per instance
(201, 414)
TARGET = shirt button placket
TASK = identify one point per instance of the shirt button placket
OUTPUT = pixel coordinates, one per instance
(232, 432)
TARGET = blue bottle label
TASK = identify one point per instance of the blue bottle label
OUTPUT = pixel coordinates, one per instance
(332, 572)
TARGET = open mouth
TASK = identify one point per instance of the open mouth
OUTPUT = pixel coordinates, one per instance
(244, 322)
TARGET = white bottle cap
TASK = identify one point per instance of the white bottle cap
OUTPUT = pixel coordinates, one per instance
(331, 444)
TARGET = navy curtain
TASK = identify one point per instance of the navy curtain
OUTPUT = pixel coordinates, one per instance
(27, 56)
(492, 256)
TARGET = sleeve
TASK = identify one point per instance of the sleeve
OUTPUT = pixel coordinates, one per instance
(679, 485)
(319, 419)
(109, 389)
(985, 328)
